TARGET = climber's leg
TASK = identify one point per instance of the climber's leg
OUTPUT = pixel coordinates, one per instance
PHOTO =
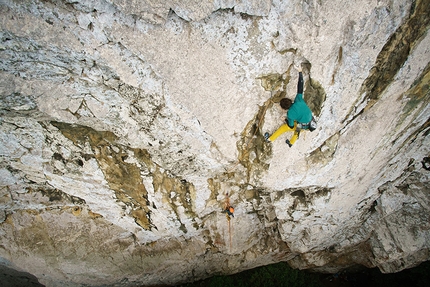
(282, 129)
(294, 138)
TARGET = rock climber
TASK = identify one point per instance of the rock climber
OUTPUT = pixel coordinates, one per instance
(299, 116)
(229, 210)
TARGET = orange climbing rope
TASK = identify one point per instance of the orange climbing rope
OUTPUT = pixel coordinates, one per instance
(228, 209)
(229, 231)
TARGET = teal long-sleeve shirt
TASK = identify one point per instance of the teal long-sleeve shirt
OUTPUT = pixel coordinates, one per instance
(299, 111)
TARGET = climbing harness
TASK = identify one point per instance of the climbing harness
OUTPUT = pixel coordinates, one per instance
(311, 126)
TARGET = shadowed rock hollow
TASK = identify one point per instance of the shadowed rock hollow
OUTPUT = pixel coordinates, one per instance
(124, 124)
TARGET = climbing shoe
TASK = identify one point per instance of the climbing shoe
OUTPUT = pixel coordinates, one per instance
(266, 137)
(288, 143)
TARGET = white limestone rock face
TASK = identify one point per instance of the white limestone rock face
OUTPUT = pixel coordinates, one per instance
(188, 10)
(125, 124)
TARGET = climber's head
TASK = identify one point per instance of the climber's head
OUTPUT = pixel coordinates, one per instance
(285, 103)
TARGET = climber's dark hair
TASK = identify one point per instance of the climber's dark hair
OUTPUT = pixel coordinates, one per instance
(285, 103)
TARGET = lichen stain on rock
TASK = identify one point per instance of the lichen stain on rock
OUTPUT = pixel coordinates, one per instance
(289, 50)
(275, 81)
(214, 186)
(324, 154)
(176, 193)
(418, 98)
(55, 195)
(339, 62)
(143, 156)
(79, 135)
(76, 210)
(124, 178)
(300, 197)
(304, 195)
(254, 152)
(94, 215)
(395, 52)
(315, 96)
(251, 194)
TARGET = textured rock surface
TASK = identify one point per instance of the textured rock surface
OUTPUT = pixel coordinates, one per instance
(123, 124)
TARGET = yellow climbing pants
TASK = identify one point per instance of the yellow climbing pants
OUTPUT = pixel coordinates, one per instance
(283, 129)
